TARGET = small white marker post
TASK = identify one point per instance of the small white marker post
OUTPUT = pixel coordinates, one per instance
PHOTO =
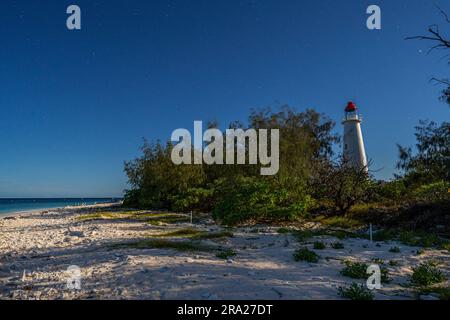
(370, 232)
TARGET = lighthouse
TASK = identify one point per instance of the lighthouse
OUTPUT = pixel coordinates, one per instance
(354, 151)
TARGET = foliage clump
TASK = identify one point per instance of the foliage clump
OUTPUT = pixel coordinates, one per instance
(310, 179)
(358, 270)
(394, 249)
(304, 254)
(319, 245)
(238, 193)
(226, 254)
(337, 245)
(426, 274)
(356, 292)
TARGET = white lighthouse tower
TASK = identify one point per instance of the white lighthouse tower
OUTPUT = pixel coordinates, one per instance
(354, 151)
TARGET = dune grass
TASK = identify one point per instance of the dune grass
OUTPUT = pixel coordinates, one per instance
(194, 234)
(341, 222)
(144, 216)
(164, 244)
(99, 216)
(305, 235)
(166, 219)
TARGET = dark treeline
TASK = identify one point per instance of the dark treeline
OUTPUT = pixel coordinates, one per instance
(311, 179)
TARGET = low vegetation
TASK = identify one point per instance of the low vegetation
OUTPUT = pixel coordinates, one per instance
(427, 274)
(195, 234)
(284, 230)
(312, 184)
(358, 270)
(394, 249)
(356, 292)
(340, 222)
(153, 218)
(319, 245)
(226, 253)
(304, 254)
(164, 244)
(337, 245)
(411, 238)
(305, 235)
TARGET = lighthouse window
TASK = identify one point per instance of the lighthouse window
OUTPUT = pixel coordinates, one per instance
(345, 147)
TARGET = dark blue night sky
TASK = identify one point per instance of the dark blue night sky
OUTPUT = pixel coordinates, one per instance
(75, 104)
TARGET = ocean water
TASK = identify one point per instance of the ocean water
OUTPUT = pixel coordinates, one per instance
(18, 205)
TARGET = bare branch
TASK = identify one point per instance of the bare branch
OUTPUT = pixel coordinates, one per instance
(443, 13)
(440, 81)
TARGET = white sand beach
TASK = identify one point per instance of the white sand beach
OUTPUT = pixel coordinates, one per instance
(36, 248)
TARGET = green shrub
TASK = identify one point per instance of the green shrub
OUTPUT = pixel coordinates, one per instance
(419, 239)
(163, 244)
(258, 200)
(358, 270)
(393, 263)
(445, 246)
(337, 245)
(283, 230)
(355, 270)
(194, 234)
(433, 192)
(226, 253)
(394, 249)
(195, 199)
(427, 274)
(395, 190)
(410, 238)
(304, 254)
(341, 222)
(384, 235)
(304, 235)
(319, 245)
(356, 292)
(131, 199)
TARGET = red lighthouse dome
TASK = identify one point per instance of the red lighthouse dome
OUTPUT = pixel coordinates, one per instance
(351, 107)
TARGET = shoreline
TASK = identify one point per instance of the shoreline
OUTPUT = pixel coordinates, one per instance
(117, 258)
(40, 210)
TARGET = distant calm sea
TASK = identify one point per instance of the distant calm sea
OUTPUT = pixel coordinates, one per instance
(17, 205)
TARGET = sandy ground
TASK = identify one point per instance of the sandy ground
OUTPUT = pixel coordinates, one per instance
(37, 248)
